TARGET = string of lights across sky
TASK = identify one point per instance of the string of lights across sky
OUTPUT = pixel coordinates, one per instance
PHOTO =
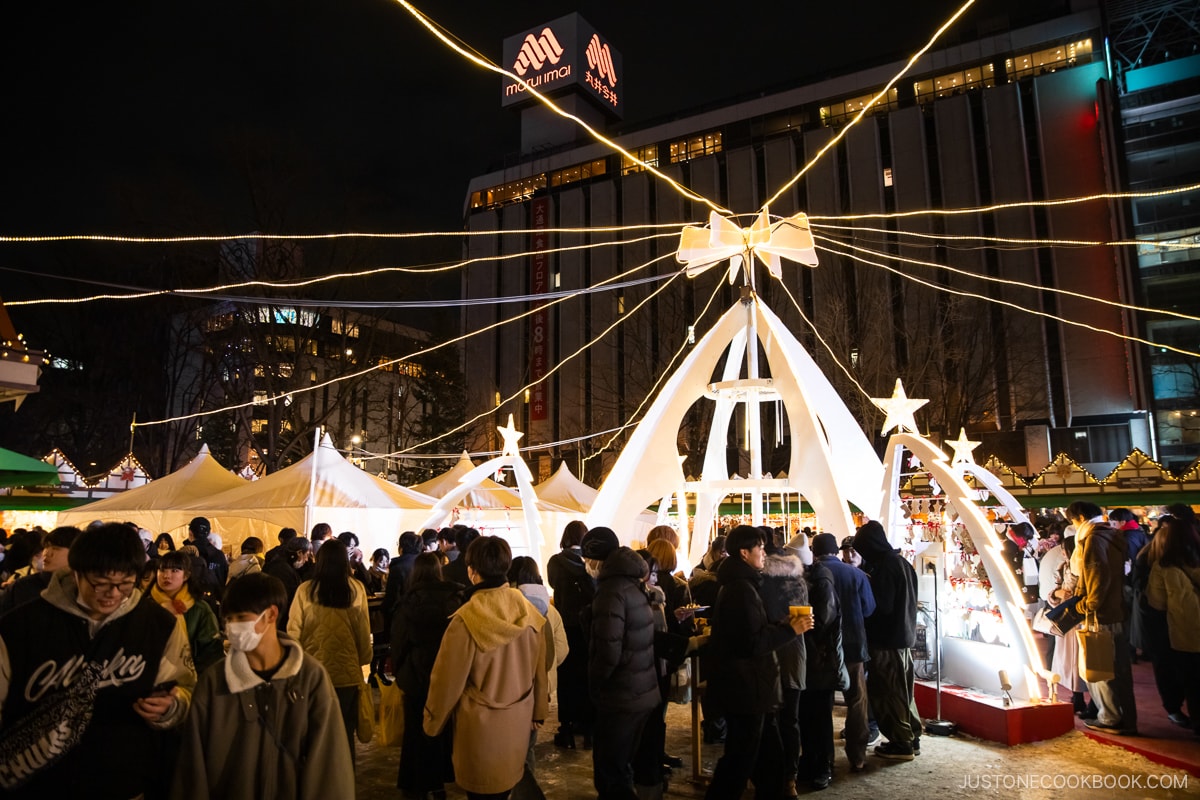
(818, 223)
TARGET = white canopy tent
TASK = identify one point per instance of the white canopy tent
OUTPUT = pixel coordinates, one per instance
(156, 505)
(322, 487)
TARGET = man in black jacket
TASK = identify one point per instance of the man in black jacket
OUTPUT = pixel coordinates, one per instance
(744, 682)
(622, 679)
(891, 633)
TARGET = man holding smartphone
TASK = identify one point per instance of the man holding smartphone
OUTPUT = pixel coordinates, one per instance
(89, 676)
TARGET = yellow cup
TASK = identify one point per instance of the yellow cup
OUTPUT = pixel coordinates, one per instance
(800, 611)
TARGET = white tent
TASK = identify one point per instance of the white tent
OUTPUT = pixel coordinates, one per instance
(488, 494)
(322, 487)
(156, 505)
(564, 489)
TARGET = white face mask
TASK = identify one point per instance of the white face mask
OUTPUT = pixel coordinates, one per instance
(242, 635)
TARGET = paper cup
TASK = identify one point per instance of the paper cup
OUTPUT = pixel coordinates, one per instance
(800, 611)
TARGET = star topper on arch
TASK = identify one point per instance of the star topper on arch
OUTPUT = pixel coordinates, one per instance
(704, 247)
(899, 409)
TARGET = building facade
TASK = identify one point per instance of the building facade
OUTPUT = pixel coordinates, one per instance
(1009, 342)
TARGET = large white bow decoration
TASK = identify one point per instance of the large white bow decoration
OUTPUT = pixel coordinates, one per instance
(703, 247)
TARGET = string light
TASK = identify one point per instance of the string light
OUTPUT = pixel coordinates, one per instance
(863, 111)
(976, 296)
(210, 290)
(1009, 281)
(546, 101)
(233, 237)
(825, 344)
(945, 212)
(663, 374)
(520, 392)
(394, 361)
(1005, 240)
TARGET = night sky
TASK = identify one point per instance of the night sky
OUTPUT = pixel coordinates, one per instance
(307, 116)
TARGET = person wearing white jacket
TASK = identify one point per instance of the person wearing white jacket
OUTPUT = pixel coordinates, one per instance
(1174, 587)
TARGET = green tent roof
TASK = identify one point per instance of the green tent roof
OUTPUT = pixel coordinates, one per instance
(19, 470)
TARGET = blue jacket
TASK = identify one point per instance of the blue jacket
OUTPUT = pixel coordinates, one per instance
(858, 603)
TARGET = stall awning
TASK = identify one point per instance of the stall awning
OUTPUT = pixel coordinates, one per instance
(19, 470)
(48, 503)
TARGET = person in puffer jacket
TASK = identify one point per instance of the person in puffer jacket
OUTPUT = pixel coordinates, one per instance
(783, 585)
(622, 680)
(825, 673)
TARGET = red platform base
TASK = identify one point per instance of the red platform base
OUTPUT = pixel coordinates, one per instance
(985, 717)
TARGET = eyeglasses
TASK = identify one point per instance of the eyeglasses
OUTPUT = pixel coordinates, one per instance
(108, 587)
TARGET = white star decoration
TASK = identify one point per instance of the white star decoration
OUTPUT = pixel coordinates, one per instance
(962, 448)
(899, 410)
(511, 437)
(703, 247)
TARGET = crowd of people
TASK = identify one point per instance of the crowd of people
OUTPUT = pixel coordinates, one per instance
(132, 667)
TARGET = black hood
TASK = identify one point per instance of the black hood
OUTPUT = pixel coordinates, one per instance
(624, 563)
(871, 542)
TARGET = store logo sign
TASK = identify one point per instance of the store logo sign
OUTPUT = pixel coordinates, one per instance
(537, 51)
(600, 59)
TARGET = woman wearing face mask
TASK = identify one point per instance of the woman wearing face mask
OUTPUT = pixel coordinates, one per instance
(329, 619)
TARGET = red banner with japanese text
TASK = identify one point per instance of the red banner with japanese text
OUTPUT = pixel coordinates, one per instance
(539, 283)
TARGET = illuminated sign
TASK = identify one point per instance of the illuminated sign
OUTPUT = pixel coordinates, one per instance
(565, 53)
(539, 283)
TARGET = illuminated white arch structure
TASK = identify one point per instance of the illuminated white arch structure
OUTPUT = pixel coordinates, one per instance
(832, 462)
(510, 456)
(973, 663)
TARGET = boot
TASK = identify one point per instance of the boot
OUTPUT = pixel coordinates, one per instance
(1078, 703)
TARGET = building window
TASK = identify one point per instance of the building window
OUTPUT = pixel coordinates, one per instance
(512, 192)
(1048, 60)
(218, 322)
(285, 370)
(260, 398)
(983, 76)
(579, 172)
(887, 176)
(647, 154)
(339, 326)
(837, 113)
(258, 425)
(694, 147)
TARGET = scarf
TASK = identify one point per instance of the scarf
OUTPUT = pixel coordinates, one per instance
(177, 605)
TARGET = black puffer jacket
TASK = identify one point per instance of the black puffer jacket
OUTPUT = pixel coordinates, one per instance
(573, 588)
(417, 629)
(826, 665)
(621, 669)
(893, 626)
(745, 673)
(783, 585)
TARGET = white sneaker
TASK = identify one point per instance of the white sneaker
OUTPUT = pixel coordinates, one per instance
(874, 739)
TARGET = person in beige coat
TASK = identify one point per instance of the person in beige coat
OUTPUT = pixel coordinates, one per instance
(1174, 587)
(490, 675)
(329, 619)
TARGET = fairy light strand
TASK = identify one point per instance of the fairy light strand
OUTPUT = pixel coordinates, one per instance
(975, 295)
(391, 362)
(946, 212)
(828, 348)
(546, 101)
(299, 237)
(211, 290)
(664, 373)
(1008, 281)
(863, 112)
(1008, 240)
(519, 392)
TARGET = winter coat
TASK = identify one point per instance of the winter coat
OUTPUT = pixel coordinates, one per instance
(290, 577)
(893, 626)
(704, 587)
(621, 666)
(418, 625)
(678, 595)
(556, 635)
(1148, 625)
(857, 603)
(1014, 556)
(783, 585)
(245, 564)
(204, 635)
(398, 571)
(744, 677)
(490, 674)
(826, 665)
(573, 588)
(1176, 590)
(214, 561)
(340, 638)
(250, 739)
(1101, 574)
(139, 645)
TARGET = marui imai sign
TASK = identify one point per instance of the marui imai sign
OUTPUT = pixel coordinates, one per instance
(567, 52)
